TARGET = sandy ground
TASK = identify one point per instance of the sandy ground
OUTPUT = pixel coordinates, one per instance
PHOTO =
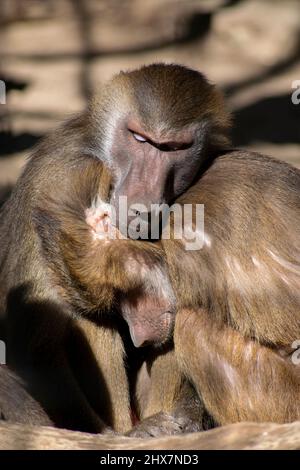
(55, 53)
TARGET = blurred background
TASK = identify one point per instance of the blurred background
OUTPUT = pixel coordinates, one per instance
(55, 53)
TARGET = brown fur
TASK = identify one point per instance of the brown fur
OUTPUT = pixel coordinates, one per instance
(16, 404)
(238, 297)
(82, 280)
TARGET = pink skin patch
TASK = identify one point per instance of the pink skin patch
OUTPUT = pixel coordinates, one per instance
(98, 217)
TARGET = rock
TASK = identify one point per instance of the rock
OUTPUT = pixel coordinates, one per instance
(240, 436)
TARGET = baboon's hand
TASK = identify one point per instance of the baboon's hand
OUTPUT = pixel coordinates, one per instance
(162, 424)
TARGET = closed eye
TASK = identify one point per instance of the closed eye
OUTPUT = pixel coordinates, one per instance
(173, 146)
(163, 147)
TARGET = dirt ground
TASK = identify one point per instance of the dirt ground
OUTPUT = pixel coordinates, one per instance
(55, 53)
